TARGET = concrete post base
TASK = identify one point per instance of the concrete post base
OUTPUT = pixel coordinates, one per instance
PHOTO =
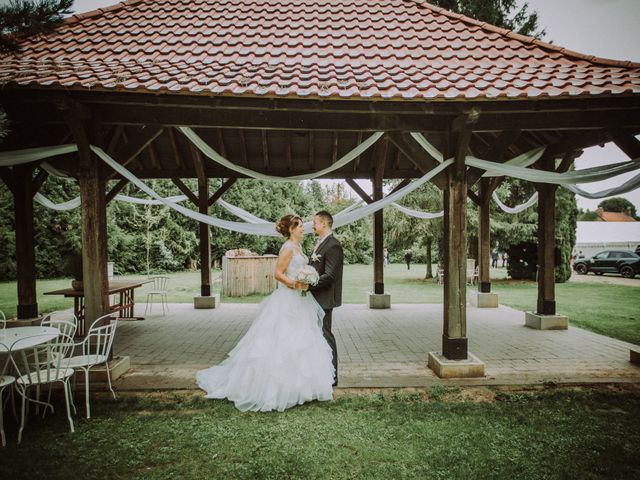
(546, 322)
(471, 367)
(117, 367)
(634, 356)
(212, 301)
(24, 322)
(483, 300)
(379, 300)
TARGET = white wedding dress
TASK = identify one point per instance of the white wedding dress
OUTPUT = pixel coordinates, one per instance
(283, 360)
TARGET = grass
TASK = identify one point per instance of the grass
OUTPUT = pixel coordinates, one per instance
(438, 433)
(612, 310)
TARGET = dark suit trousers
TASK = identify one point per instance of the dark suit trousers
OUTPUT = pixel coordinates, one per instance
(331, 340)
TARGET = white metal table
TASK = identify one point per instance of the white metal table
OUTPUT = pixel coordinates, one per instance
(30, 336)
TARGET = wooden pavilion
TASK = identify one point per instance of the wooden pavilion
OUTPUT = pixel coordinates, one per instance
(286, 87)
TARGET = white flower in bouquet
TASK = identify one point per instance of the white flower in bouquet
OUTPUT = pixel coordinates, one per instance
(308, 275)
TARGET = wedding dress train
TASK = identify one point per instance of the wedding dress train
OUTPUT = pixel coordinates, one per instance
(283, 360)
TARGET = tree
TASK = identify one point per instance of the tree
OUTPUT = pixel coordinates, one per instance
(619, 204)
(501, 13)
(404, 232)
(21, 19)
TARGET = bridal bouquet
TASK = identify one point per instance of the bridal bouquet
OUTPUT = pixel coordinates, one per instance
(308, 275)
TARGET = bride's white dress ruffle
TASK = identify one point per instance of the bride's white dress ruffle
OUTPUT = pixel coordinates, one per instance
(283, 360)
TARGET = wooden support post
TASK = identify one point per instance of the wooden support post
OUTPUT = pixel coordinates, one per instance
(546, 249)
(454, 338)
(484, 237)
(25, 241)
(205, 240)
(203, 207)
(94, 224)
(378, 228)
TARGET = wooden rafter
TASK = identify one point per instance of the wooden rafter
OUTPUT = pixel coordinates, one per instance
(7, 177)
(289, 156)
(334, 148)
(356, 188)
(117, 188)
(243, 148)
(221, 148)
(185, 190)
(174, 148)
(416, 154)
(113, 143)
(627, 142)
(198, 165)
(223, 188)
(402, 184)
(39, 179)
(128, 152)
(356, 162)
(265, 149)
(153, 155)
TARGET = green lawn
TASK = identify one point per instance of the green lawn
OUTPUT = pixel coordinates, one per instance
(440, 433)
(612, 310)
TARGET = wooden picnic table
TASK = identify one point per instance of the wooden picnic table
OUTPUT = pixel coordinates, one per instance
(125, 305)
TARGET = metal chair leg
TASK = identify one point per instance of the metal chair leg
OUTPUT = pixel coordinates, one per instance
(66, 399)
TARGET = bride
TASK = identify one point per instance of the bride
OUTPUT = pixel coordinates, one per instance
(283, 360)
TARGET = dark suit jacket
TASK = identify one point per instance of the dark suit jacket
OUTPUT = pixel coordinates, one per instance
(328, 291)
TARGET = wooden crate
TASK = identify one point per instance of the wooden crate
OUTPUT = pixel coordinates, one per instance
(247, 275)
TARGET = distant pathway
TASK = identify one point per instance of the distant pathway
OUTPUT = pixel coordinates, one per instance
(606, 279)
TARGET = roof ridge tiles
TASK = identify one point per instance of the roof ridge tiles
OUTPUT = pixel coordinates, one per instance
(524, 38)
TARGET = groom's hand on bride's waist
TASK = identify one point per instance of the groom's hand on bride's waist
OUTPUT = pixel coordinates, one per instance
(302, 286)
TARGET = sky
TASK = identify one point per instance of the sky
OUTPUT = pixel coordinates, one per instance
(605, 28)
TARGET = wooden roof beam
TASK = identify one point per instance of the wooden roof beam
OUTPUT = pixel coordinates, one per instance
(174, 148)
(243, 147)
(185, 190)
(221, 191)
(627, 142)
(265, 149)
(131, 150)
(417, 155)
(117, 188)
(356, 188)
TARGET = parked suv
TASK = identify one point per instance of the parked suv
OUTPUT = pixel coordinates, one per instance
(624, 262)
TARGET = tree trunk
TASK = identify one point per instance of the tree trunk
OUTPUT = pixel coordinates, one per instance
(429, 273)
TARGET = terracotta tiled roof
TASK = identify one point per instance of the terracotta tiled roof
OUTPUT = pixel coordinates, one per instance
(400, 49)
(614, 216)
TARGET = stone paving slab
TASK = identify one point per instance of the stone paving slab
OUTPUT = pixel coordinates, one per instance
(377, 348)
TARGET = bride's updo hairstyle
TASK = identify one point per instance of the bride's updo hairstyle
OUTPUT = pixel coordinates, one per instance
(284, 225)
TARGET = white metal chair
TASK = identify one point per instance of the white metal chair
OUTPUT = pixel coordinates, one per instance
(159, 288)
(5, 381)
(52, 369)
(3, 320)
(95, 350)
(67, 323)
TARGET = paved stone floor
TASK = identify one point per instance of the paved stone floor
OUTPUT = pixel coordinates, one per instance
(377, 348)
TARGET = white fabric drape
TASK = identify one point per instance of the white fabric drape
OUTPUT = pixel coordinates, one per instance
(417, 213)
(513, 210)
(216, 157)
(627, 186)
(586, 175)
(28, 155)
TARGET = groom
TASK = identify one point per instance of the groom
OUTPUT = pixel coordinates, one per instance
(327, 259)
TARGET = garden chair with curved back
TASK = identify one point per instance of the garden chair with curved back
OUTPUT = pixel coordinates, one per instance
(95, 350)
(159, 288)
(55, 369)
(67, 323)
